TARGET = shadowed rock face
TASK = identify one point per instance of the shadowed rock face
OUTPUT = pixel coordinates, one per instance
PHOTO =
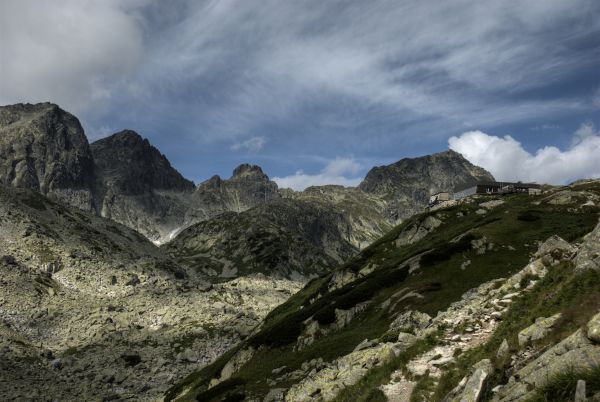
(408, 183)
(127, 163)
(43, 148)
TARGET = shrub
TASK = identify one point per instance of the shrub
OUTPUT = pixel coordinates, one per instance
(529, 216)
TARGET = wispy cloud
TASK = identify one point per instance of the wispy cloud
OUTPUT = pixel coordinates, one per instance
(506, 158)
(341, 171)
(251, 145)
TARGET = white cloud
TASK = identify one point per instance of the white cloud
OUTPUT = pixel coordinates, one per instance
(252, 145)
(72, 52)
(341, 171)
(507, 160)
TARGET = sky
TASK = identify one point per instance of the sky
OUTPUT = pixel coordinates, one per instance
(318, 92)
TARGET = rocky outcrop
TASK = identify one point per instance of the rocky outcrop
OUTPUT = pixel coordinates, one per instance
(537, 331)
(588, 257)
(576, 351)
(43, 148)
(325, 384)
(472, 389)
(137, 186)
(407, 184)
(417, 231)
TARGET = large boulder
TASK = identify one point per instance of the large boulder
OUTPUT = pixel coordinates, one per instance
(472, 389)
(589, 254)
(538, 330)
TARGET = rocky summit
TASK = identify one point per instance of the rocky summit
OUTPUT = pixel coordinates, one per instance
(408, 183)
(122, 280)
(43, 148)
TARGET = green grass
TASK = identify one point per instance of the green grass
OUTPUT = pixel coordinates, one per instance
(561, 387)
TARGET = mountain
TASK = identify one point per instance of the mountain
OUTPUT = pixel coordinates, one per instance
(490, 299)
(43, 148)
(286, 238)
(407, 184)
(92, 310)
(247, 187)
(137, 186)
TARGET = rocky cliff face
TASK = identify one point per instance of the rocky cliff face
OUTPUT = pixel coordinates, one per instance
(407, 184)
(43, 148)
(137, 186)
(246, 188)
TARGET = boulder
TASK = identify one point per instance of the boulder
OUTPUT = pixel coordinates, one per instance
(472, 391)
(503, 351)
(593, 329)
(555, 249)
(580, 391)
(410, 320)
(538, 330)
(589, 254)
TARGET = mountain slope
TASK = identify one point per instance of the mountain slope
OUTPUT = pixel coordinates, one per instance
(286, 238)
(407, 184)
(90, 309)
(357, 323)
(43, 148)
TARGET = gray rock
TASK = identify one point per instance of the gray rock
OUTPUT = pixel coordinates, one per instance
(580, 392)
(538, 330)
(588, 257)
(593, 329)
(503, 351)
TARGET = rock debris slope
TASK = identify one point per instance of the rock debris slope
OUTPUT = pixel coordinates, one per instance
(90, 309)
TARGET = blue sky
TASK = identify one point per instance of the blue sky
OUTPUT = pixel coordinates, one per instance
(318, 92)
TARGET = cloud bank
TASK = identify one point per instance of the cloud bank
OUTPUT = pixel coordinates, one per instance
(341, 171)
(507, 160)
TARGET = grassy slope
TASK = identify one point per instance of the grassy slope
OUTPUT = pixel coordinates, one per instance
(441, 281)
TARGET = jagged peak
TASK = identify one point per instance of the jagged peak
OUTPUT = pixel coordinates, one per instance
(246, 169)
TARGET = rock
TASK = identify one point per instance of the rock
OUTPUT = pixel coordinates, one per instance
(410, 321)
(474, 386)
(133, 281)
(588, 257)
(593, 329)
(275, 395)
(278, 370)
(8, 260)
(417, 231)
(365, 344)
(573, 353)
(580, 392)
(56, 364)
(555, 249)
(233, 365)
(131, 359)
(537, 331)
(503, 351)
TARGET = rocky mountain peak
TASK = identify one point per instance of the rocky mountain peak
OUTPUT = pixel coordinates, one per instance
(407, 184)
(130, 164)
(246, 170)
(44, 148)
